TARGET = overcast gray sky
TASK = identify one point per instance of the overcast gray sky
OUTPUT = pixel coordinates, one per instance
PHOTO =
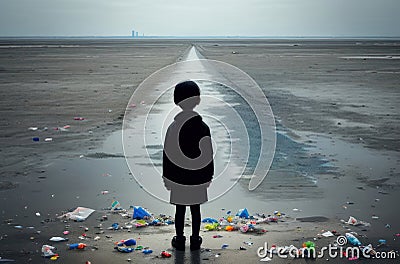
(201, 17)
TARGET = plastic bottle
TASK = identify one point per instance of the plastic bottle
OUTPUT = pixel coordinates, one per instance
(77, 246)
(353, 240)
(147, 251)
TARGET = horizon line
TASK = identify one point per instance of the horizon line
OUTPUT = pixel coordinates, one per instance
(199, 37)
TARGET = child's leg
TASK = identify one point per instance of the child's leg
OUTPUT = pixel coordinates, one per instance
(196, 219)
(180, 219)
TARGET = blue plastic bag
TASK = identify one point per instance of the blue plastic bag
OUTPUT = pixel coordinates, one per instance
(128, 243)
(353, 240)
(209, 220)
(243, 213)
(140, 213)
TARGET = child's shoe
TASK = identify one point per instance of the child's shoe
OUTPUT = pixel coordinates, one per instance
(178, 242)
(195, 242)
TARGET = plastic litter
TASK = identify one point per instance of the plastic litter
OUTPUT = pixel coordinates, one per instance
(79, 214)
(382, 241)
(47, 251)
(308, 250)
(77, 246)
(353, 221)
(48, 139)
(147, 251)
(243, 213)
(308, 244)
(209, 220)
(352, 239)
(128, 242)
(124, 249)
(156, 222)
(277, 213)
(369, 250)
(229, 228)
(36, 139)
(244, 228)
(140, 213)
(224, 246)
(327, 234)
(58, 239)
(211, 227)
(165, 254)
(140, 223)
(55, 257)
(115, 205)
(78, 118)
(115, 226)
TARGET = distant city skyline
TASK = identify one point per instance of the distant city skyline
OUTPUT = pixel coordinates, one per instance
(296, 18)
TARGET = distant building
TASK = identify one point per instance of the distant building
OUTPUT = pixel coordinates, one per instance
(135, 34)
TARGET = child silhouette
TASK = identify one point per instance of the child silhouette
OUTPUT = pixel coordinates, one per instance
(188, 165)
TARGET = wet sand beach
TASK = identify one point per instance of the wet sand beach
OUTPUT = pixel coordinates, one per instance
(335, 107)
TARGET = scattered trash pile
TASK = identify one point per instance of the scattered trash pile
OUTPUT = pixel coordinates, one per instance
(242, 221)
(139, 218)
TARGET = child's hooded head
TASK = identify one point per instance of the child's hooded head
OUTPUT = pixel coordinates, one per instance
(187, 95)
